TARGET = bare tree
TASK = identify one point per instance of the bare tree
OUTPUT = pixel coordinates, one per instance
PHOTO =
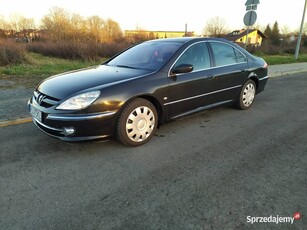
(65, 26)
(58, 23)
(285, 30)
(26, 23)
(78, 27)
(111, 31)
(4, 25)
(104, 30)
(215, 27)
(95, 26)
(19, 23)
(14, 18)
(258, 27)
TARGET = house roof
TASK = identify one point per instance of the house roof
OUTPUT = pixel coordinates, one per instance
(237, 34)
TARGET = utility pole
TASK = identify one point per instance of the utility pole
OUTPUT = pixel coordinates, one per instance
(300, 34)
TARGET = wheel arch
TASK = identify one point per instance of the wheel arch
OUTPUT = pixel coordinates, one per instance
(156, 104)
(253, 76)
(152, 100)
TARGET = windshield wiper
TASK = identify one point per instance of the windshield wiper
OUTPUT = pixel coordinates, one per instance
(129, 67)
(126, 66)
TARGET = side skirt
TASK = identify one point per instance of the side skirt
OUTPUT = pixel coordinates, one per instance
(200, 109)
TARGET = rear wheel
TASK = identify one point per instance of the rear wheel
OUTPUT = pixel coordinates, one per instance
(137, 122)
(247, 95)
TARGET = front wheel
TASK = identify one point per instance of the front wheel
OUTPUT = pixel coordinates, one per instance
(137, 122)
(247, 95)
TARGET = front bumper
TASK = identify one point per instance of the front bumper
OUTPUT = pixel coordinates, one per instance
(74, 127)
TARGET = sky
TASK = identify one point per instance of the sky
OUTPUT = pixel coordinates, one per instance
(164, 14)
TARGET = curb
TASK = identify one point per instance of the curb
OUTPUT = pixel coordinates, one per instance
(287, 69)
(282, 74)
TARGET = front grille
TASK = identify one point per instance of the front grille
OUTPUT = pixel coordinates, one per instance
(45, 100)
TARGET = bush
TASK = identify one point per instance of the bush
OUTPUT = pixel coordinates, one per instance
(12, 53)
(269, 49)
(77, 50)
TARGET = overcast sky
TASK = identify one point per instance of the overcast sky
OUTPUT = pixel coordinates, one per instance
(164, 14)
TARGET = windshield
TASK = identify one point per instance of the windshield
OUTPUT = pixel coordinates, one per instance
(147, 55)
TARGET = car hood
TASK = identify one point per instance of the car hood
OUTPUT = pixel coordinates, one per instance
(64, 85)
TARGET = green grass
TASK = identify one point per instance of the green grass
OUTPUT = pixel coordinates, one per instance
(40, 65)
(283, 59)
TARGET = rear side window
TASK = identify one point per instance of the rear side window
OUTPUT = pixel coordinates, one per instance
(240, 57)
(225, 54)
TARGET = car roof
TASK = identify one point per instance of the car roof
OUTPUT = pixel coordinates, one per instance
(188, 39)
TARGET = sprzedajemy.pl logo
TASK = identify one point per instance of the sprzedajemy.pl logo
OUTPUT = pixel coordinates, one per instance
(273, 219)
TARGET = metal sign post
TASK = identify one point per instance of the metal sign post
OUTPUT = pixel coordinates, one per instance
(250, 16)
(300, 34)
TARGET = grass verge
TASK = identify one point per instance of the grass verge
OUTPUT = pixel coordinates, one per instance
(40, 65)
(283, 59)
(38, 68)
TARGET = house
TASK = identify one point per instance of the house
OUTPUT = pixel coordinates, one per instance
(26, 35)
(255, 37)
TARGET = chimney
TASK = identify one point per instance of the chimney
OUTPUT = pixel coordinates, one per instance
(186, 30)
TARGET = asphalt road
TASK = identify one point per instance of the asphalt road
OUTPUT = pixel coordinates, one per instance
(209, 171)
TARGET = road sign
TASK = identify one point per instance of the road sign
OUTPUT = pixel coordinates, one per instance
(250, 18)
(252, 2)
(251, 7)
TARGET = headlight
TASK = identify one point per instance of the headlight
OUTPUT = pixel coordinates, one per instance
(80, 101)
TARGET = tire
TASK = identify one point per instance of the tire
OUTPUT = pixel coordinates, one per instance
(137, 122)
(247, 95)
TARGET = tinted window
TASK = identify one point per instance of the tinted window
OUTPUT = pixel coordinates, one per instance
(225, 54)
(147, 55)
(196, 55)
(240, 56)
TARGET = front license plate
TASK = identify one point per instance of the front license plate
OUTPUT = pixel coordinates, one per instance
(36, 113)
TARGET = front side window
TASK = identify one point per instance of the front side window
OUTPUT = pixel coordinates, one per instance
(225, 54)
(196, 55)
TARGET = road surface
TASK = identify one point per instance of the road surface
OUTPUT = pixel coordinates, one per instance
(214, 170)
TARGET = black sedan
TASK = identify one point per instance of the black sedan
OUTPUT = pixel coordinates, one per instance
(134, 92)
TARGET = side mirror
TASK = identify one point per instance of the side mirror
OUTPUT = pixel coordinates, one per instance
(182, 68)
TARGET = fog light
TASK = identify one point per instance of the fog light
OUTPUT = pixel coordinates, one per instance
(68, 131)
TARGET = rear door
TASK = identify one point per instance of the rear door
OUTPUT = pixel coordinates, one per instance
(230, 67)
